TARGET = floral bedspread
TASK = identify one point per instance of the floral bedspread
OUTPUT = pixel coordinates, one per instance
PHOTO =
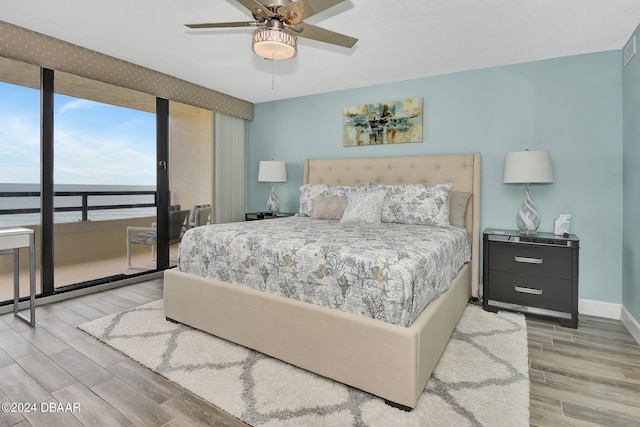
(385, 271)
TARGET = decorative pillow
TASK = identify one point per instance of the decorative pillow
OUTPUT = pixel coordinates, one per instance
(328, 207)
(416, 203)
(308, 193)
(458, 208)
(390, 190)
(364, 207)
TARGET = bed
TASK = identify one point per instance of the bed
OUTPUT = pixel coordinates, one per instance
(393, 361)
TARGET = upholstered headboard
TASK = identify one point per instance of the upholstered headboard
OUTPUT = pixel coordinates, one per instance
(463, 170)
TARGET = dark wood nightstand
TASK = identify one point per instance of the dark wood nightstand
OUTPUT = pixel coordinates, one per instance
(533, 274)
(255, 216)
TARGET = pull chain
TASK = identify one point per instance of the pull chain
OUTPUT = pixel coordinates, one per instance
(273, 84)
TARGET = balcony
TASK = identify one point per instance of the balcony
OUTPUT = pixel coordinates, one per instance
(84, 250)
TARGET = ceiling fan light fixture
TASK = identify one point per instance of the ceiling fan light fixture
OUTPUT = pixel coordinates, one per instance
(274, 43)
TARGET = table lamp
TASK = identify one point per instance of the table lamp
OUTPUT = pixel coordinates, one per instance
(272, 171)
(528, 167)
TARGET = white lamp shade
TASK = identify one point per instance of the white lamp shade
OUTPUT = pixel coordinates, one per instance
(274, 43)
(527, 167)
(272, 171)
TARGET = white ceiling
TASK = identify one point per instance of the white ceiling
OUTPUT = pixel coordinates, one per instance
(398, 39)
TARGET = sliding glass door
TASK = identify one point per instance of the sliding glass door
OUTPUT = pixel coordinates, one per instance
(104, 181)
(96, 171)
(19, 164)
(190, 157)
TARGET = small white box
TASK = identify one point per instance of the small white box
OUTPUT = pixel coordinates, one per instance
(561, 226)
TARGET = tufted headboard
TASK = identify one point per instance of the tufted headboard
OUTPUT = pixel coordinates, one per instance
(463, 170)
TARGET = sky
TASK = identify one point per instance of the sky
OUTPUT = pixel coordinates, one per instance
(94, 143)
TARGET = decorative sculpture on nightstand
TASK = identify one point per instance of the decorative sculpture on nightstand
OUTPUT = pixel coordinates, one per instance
(528, 167)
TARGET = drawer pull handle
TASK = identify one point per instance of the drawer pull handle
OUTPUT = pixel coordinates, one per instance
(531, 291)
(527, 260)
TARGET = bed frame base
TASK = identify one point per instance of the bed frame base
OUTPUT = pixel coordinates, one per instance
(390, 361)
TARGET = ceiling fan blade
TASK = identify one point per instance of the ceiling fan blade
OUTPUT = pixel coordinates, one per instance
(316, 33)
(257, 8)
(223, 24)
(300, 10)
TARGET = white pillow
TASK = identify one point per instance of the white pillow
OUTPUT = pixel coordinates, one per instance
(364, 207)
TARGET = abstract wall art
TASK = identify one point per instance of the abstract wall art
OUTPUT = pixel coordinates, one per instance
(390, 122)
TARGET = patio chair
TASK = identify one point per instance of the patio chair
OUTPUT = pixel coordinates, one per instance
(200, 215)
(149, 235)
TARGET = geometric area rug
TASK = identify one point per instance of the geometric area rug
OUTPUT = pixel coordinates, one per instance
(482, 377)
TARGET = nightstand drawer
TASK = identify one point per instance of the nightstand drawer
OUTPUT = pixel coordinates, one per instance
(531, 291)
(547, 261)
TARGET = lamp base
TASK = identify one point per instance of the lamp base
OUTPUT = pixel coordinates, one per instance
(273, 204)
(528, 216)
(528, 232)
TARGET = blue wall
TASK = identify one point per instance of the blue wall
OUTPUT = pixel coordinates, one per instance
(571, 106)
(631, 167)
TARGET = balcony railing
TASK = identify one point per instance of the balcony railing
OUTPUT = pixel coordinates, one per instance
(84, 207)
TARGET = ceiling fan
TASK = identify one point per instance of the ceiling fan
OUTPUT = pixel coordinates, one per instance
(279, 23)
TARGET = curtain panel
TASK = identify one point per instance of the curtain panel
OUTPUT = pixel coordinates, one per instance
(230, 169)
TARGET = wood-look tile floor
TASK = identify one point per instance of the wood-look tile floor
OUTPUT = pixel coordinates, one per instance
(584, 377)
(56, 362)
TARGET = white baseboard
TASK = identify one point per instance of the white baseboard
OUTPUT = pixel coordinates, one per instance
(608, 310)
(632, 324)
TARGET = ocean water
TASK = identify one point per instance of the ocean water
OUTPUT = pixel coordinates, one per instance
(12, 220)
